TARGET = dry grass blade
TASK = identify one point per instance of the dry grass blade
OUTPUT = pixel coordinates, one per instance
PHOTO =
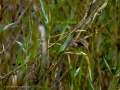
(43, 43)
(100, 9)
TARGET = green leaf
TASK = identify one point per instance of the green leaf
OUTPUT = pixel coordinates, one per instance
(7, 26)
(107, 65)
(80, 73)
(63, 31)
(89, 65)
(21, 45)
(27, 58)
(2, 77)
(91, 85)
(44, 9)
(117, 67)
(64, 46)
(61, 4)
(59, 26)
(47, 84)
(3, 63)
(119, 78)
(77, 72)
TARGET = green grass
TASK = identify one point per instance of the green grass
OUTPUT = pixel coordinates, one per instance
(35, 45)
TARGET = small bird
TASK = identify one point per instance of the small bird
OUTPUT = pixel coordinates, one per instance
(80, 42)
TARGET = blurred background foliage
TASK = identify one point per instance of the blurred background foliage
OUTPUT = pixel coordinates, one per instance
(28, 27)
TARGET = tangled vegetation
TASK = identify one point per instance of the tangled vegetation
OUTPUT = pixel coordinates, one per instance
(60, 44)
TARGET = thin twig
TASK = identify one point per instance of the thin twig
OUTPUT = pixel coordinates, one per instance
(13, 70)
